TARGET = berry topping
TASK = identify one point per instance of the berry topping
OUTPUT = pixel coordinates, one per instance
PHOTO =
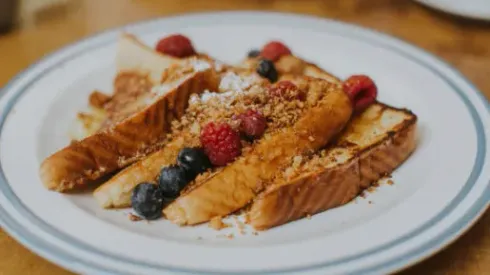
(267, 69)
(253, 53)
(221, 143)
(172, 180)
(147, 200)
(288, 90)
(176, 45)
(361, 90)
(252, 124)
(194, 160)
(274, 50)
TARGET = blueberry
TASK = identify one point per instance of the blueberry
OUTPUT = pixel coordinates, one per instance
(267, 69)
(194, 160)
(172, 180)
(147, 200)
(253, 53)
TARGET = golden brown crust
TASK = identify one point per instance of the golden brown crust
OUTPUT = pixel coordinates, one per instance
(117, 191)
(336, 184)
(236, 185)
(120, 144)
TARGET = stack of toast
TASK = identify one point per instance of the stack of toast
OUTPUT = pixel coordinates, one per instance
(317, 152)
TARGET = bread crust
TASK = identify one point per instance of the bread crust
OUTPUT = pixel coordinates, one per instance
(123, 142)
(335, 184)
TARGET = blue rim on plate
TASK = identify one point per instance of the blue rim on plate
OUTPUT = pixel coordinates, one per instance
(60, 256)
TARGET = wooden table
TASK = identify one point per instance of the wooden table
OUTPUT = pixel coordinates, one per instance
(464, 43)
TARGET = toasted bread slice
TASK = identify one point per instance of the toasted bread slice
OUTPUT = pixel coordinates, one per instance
(373, 144)
(116, 191)
(233, 187)
(150, 91)
(134, 56)
(289, 66)
(139, 117)
(133, 134)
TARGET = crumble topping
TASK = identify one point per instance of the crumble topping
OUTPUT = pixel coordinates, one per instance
(278, 111)
(98, 99)
(217, 223)
(134, 218)
(226, 106)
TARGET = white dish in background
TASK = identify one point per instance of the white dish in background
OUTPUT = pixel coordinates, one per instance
(438, 193)
(476, 9)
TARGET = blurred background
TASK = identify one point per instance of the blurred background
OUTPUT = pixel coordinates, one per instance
(31, 28)
(458, 31)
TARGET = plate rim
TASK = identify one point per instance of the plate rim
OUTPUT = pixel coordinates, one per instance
(484, 16)
(101, 35)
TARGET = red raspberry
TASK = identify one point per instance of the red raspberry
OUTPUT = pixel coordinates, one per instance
(286, 89)
(221, 143)
(274, 50)
(252, 124)
(361, 90)
(176, 45)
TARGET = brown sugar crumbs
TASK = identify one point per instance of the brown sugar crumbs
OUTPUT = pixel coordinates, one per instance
(217, 223)
(134, 218)
(371, 189)
(240, 225)
(226, 106)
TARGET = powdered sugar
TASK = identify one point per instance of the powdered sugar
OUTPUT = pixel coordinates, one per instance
(200, 65)
(208, 95)
(230, 86)
(232, 81)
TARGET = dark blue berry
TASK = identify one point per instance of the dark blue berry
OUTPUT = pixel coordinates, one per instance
(194, 160)
(267, 69)
(147, 200)
(253, 53)
(172, 180)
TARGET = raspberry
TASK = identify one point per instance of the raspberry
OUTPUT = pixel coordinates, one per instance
(274, 50)
(361, 90)
(286, 89)
(176, 45)
(252, 124)
(221, 143)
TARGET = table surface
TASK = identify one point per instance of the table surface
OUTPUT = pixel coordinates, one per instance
(462, 42)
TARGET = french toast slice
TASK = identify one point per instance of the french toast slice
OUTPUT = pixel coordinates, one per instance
(138, 116)
(133, 55)
(234, 186)
(373, 144)
(116, 192)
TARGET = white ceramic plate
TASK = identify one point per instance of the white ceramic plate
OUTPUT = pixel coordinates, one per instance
(476, 9)
(438, 193)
